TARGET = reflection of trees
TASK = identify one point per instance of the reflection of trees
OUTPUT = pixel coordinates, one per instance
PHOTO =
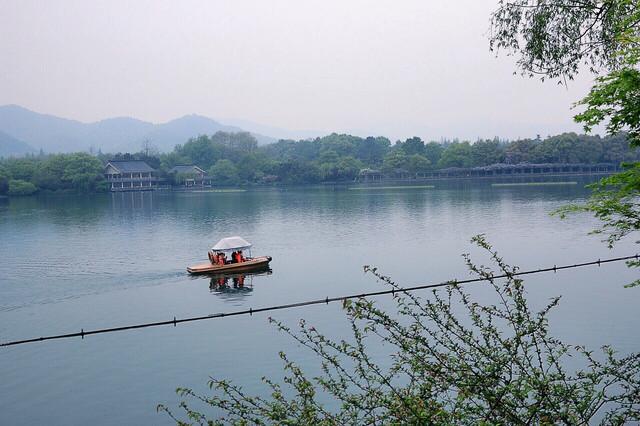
(61, 209)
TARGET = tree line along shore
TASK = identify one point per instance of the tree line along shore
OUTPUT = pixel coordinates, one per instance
(235, 159)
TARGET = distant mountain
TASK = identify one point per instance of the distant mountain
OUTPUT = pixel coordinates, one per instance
(50, 133)
(165, 135)
(12, 147)
(117, 134)
(275, 132)
(122, 134)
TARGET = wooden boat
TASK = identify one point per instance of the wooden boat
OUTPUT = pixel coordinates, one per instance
(227, 245)
(250, 264)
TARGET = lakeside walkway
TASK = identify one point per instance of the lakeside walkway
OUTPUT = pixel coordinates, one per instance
(491, 172)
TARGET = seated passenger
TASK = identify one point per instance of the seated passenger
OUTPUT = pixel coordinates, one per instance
(240, 256)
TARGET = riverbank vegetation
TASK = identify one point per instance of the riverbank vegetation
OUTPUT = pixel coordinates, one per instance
(234, 159)
(80, 172)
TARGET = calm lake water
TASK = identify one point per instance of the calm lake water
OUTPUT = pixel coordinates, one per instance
(70, 262)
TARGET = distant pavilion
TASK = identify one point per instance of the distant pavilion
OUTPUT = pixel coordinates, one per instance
(130, 175)
(190, 175)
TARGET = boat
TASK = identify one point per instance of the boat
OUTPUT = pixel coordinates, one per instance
(221, 254)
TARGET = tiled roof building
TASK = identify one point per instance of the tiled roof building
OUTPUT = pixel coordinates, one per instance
(130, 175)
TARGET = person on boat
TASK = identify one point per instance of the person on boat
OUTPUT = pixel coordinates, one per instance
(234, 257)
(240, 257)
(222, 259)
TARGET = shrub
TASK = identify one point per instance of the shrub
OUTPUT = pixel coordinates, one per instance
(21, 187)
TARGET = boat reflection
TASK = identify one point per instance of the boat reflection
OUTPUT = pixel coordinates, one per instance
(234, 286)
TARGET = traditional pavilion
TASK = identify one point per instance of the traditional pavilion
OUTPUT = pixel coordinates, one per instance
(190, 176)
(130, 175)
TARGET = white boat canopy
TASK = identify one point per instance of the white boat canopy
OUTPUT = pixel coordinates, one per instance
(231, 243)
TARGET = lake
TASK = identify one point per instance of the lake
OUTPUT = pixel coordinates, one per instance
(84, 262)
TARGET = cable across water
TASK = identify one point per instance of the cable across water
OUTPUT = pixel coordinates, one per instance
(82, 333)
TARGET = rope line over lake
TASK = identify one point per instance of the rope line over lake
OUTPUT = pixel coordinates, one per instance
(326, 300)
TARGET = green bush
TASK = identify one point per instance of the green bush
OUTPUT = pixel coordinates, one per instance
(21, 187)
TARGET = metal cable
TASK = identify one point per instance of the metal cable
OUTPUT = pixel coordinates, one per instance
(326, 300)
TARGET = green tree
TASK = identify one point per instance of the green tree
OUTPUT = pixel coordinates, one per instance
(348, 168)
(201, 150)
(235, 141)
(452, 361)
(177, 157)
(553, 39)
(484, 153)
(250, 167)
(522, 151)
(418, 163)
(342, 144)
(303, 150)
(224, 172)
(412, 146)
(22, 168)
(396, 159)
(295, 171)
(83, 172)
(328, 155)
(456, 154)
(615, 100)
(49, 171)
(433, 151)
(569, 148)
(616, 149)
(21, 187)
(372, 150)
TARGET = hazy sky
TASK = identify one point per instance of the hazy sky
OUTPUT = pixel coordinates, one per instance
(396, 68)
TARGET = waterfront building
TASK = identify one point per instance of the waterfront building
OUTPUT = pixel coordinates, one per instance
(131, 175)
(190, 176)
(369, 175)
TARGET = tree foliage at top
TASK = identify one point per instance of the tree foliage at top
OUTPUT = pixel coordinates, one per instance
(614, 100)
(555, 38)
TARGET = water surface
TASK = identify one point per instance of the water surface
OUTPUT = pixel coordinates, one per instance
(71, 262)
